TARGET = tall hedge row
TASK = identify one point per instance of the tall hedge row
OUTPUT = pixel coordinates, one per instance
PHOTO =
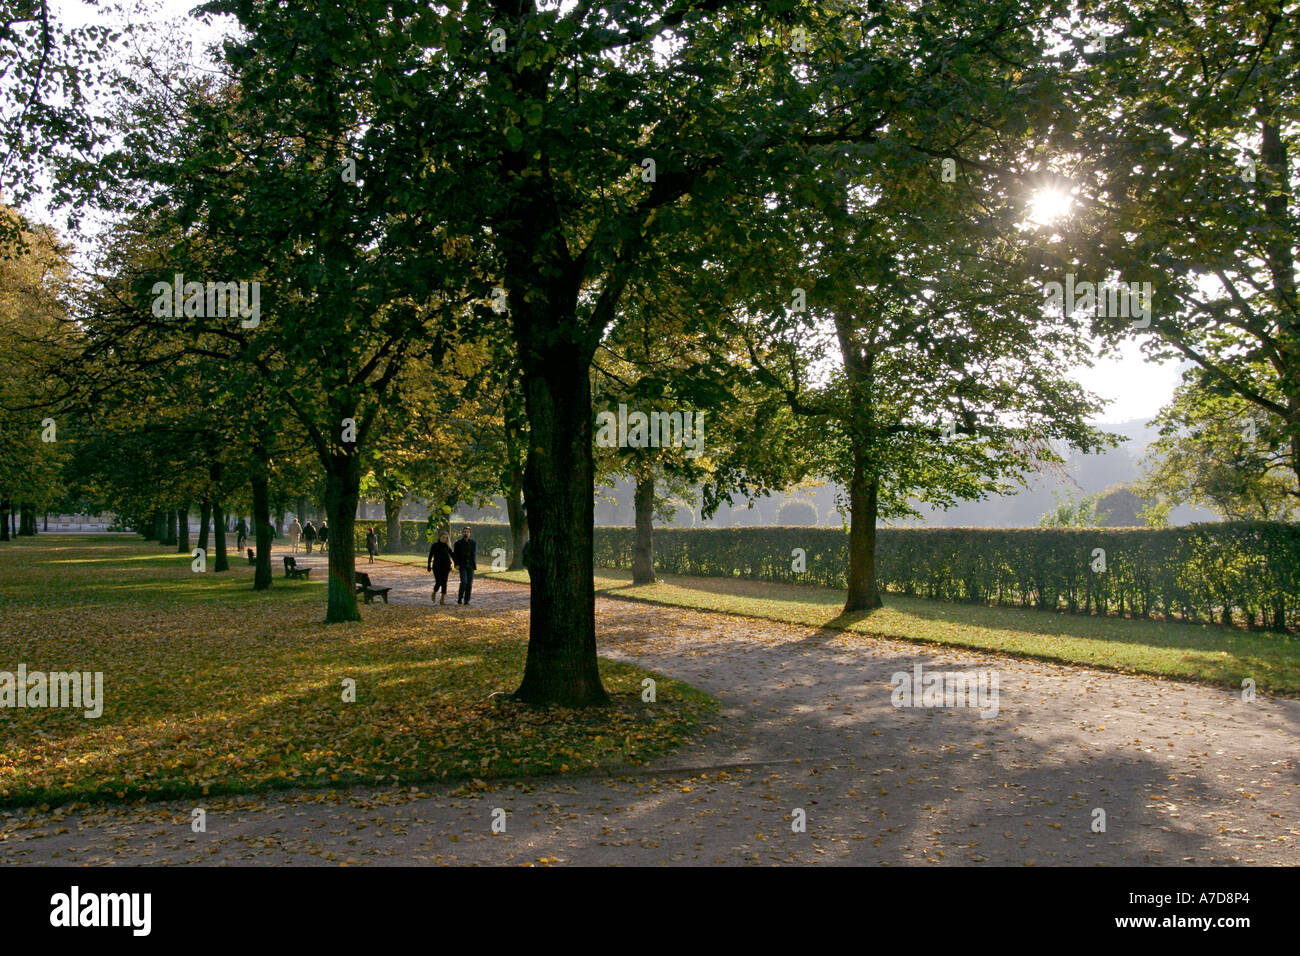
(1247, 572)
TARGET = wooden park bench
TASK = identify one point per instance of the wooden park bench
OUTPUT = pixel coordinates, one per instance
(252, 559)
(368, 590)
(291, 569)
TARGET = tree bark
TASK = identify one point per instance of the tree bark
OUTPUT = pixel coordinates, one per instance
(863, 593)
(342, 490)
(518, 524)
(171, 526)
(559, 486)
(262, 576)
(555, 343)
(864, 485)
(5, 509)
(205, 515)
(222, 562)
(183, 529)
(643, 559)
(392, 520)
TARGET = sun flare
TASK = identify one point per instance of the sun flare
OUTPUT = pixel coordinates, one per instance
(1048, 205)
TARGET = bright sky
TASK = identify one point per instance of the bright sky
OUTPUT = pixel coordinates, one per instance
(1135, 387)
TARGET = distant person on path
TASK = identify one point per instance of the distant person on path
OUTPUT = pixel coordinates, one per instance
(308, 534)
(323, 532)
(440, 561)
(372, 544)
(296, 532)
(241, 534)
(464, 554)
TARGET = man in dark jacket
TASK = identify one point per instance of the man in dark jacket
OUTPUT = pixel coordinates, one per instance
(440, 561)
(463, 553)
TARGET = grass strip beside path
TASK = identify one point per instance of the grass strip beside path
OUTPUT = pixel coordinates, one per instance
(1208, 653)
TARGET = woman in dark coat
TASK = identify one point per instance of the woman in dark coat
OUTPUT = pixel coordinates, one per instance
(309, 535)
(440, 564)
(323, 532)
(372, 544)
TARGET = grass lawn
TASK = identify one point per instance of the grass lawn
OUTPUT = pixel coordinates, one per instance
(1207, 652)
(210, 687)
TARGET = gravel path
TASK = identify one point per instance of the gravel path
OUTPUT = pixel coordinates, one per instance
(1185, 774)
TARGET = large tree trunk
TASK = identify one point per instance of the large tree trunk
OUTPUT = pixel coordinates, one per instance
(643, 555)
(5, 509)
(222, 562)
(171, 526)
(518, 524)
(392, 521)
(262, 576)
(342, 490)
(205, 515)
(863, 594)
(559, 486)
(183, 529)
(864, 485)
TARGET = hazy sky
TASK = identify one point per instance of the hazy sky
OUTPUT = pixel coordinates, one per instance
(1136, 388)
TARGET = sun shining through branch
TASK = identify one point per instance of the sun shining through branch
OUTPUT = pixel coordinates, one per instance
(1047, 206)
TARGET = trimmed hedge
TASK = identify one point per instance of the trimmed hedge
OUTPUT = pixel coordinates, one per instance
(1245, 572)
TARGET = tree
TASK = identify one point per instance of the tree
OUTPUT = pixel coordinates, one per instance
(948, 379)
(1084, 513)
(47, 70)
(655, 381)
(610, 132)
(1190, 119)
(1218, 450)
(262, 195)
(797, 513)
(442, 441)
(34, 286)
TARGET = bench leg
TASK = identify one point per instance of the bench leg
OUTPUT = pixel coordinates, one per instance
(385, 597)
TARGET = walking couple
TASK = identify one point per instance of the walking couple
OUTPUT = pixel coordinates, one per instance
(443, 555)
